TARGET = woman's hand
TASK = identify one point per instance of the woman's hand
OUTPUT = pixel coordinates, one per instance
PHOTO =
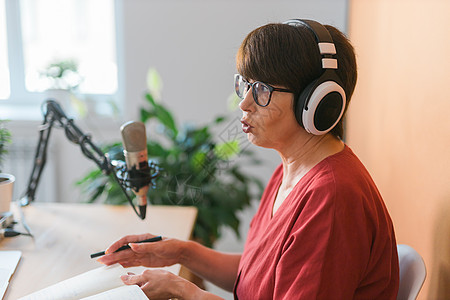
(201, 260)
(156, 254)
(160, 284)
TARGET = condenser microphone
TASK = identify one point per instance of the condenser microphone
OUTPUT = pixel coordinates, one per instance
(135, 151)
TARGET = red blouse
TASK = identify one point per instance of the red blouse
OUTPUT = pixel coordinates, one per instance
(331, 238)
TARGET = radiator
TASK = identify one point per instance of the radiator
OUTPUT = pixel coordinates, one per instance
(19, 162)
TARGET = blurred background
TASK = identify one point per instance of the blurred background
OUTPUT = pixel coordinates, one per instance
(398, 122)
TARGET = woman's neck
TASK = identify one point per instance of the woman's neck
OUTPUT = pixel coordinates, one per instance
(303, 154)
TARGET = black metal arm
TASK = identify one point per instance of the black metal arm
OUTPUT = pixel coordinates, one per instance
(53, 113)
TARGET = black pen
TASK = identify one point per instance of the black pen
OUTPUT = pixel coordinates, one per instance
(153, 239)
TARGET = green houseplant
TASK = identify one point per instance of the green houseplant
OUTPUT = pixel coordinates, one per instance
(61, 80)
(5, 139)
(197, 171)
(62, 75)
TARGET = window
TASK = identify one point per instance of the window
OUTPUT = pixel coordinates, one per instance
(4, 73)
(44, 32)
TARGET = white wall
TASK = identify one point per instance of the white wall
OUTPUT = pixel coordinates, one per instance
(192, 44)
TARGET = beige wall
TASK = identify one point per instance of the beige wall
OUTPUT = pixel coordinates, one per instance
(399, 121)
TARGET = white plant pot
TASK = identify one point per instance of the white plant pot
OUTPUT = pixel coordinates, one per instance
(6, 191)
(60, 96)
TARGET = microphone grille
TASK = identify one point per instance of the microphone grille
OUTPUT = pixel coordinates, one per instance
(134, 136)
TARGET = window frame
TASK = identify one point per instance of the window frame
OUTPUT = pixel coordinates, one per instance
(19, 98)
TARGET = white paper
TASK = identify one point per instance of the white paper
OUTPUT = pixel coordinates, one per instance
(103, 283)
(4, 281)
(124, 292)
(84, 285)
(9, 260)
(8, 264)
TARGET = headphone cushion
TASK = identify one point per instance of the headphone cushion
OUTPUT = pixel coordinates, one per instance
(320, 106)
(303, 100)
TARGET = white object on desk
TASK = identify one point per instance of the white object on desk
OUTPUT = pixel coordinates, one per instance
(101, 283)
(8, 263)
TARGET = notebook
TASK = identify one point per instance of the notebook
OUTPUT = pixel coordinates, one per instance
(8, 264)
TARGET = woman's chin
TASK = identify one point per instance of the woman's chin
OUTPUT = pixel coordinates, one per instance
(257, 141)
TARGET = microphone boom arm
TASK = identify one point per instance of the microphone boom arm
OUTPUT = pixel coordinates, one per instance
(54, 113)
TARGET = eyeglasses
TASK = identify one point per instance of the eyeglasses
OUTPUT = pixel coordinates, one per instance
(262, 92)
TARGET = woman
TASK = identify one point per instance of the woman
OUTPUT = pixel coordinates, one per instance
(322, 230)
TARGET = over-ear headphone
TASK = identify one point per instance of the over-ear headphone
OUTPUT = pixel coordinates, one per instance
(321, 104)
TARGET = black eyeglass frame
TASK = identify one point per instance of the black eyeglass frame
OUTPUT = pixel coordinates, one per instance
(255, 95)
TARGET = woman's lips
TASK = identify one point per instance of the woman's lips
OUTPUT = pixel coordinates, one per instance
(246, 127)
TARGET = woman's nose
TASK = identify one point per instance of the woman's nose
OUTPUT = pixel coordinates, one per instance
(247, 103)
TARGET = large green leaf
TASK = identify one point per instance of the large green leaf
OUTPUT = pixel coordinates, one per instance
(162, 114)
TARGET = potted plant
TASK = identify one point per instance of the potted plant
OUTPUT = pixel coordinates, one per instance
(61, 80)
(62, 75)
(6, 180)
(198, 171)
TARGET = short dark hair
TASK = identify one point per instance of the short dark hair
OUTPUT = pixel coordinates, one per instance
(288, 56)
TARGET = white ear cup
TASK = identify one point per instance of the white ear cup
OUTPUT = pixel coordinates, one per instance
(321, 104)
(311, 109)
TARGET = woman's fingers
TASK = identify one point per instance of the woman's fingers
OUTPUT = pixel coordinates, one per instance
(117, 257)
(112, 257)
(156, 283)
(152, 254)
(126, 240)
(144, 247)
(133, 279)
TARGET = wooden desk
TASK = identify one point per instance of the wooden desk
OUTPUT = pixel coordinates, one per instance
(66, 234)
